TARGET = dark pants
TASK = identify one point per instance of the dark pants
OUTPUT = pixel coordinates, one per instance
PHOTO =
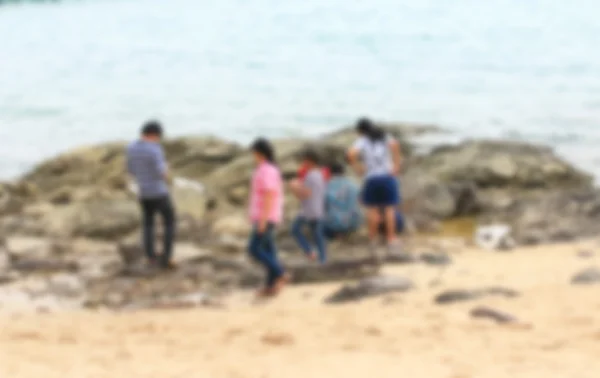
(164, 207)
(316, 230)
(262, 248)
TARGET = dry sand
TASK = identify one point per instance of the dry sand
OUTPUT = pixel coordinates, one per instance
(298, 336)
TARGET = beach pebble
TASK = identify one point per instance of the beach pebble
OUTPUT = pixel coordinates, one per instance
(493, 314)
(585, 254)
(400, 257)
(501, 291)
(587, 276)
(436, 258)
(370, 287)
(460, 295)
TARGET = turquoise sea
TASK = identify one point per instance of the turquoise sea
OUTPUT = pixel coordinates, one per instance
(77, 72)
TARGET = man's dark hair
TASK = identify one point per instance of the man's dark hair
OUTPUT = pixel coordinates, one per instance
(152, 128)
(265, 148)
(337, 169)
(311, 155)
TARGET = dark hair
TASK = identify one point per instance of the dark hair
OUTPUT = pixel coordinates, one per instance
(151, 128)
(311, 155)
(265, 148)
(337, 169)
(366, 127)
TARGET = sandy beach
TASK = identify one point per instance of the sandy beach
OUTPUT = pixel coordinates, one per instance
(297, 335)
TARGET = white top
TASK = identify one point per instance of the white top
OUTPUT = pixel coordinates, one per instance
(376, 156)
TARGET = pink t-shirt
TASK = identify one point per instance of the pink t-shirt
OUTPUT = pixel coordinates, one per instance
(266, 178)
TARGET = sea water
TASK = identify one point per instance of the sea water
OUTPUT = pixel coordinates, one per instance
(79, 72)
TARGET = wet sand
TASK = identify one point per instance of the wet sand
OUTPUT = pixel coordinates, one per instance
(298, 336)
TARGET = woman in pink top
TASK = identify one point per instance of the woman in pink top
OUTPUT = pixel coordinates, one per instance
(266, 212)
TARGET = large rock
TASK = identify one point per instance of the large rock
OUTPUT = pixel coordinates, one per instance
(82, 173)
(502, 164)
(108, 220)
(5, 258)
(484, 176)
(555, 216)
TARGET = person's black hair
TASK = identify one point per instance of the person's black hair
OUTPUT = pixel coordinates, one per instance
(366, 127)
(311, 155)
(265, 148)
(337, 169)
(152, 128)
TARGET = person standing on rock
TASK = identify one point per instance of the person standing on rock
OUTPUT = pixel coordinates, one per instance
(376, 156)
(266, 212)
(147, 164)
(311, 192)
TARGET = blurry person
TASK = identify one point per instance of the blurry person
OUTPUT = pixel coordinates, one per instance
(342, 208)
(266, 212)
(311, 192)
(376, 156)
(146, 163)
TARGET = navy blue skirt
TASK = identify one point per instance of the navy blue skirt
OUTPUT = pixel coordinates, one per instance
(380, 191)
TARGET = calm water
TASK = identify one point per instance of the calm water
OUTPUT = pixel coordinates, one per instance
(85, 71)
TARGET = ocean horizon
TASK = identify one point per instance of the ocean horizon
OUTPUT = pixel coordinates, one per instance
(82, 72)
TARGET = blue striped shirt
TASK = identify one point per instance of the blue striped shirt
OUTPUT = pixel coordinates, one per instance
(147, 164)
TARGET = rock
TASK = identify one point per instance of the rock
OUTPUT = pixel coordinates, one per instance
(66, 285)
(400, 257)
(370, 287)
(131, 252)
(553, 216)
(48, 265)
(29, 247)
(495, 164)
(453, 296)
(493, 314)
(232, 226)
(192, 300)
(341, 269)
(186, 253)
(5, 260)
(585, 254)
(587, 277)
(100, 220)
(462, 295)
(436, 258)
(501, 291)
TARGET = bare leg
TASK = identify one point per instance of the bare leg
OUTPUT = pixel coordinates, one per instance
(373, 221)
(390, 224)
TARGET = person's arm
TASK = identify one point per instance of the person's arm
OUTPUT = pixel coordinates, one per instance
(268, 184)
(353, 156)
(301, 189)
(396, 152)
(268, 204)
(160, 163)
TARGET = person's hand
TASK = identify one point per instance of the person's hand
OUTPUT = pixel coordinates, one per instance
(262, 227)
(397, 169)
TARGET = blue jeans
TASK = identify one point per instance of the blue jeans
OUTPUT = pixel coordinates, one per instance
(317, 232)
(262, 248)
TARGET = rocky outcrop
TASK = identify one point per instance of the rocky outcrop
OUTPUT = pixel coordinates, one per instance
(84, 193)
